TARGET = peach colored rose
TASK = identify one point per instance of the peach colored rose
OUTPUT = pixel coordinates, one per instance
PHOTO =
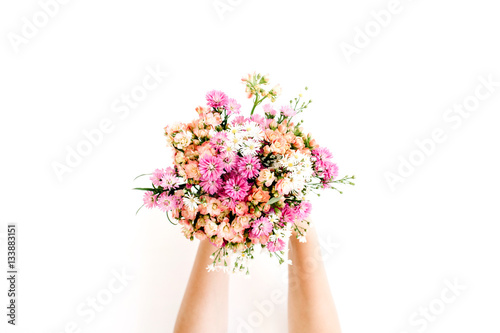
(267, 150)
(238, 238)
(284, 186)
(181, 172)
(224, 230)
(179, 157)
(279, 146)
(205, 149)
(259, 195)
(211, 228)
(187, 233)
(201, 222)
(214, 207)
(182, 139)
(272, 135)
(203, 207)
(241, 208)
(201, 110)
(237, 226)
(240, 247)
(176, 127)
(200, 235)
(218, 241)
(266, 176)
(244, 221)
(313, 143)
(212, 119)
(190, 152)
(298, 143)
(204, 133)
(305, 151)
(289, 137)
(188, 214)
(282, 128)
(192, 170)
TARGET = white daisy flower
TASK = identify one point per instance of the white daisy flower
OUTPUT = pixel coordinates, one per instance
(250, 147)
(191, 201)
(273, 218)
(253, 130)
(234, 142)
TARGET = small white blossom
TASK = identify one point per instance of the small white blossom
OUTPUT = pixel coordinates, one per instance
(250, 147)
(191, 201)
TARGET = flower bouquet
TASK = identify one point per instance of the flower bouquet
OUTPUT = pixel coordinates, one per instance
(242, 182)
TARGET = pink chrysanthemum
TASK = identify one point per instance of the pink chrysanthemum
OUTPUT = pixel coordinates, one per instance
(257, 118)
(268, 108)
(303, 210)
(211, 186)
(322, 153)
(236, 187)
(216, 99)
(229, 160)
(169, 181)
(261, 227)
(233, 107)
(218, 141)
(248, 166)
(240, 120)
(228, 202)
(167, 202)
(211, 167)
(331, 172)
(287, 111)
(150, 199)
(278, 245)
(157, 177)
(288, 214)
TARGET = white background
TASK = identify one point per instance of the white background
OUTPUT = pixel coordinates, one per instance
(388, 253)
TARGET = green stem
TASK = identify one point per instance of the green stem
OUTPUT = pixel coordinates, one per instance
(257, 102)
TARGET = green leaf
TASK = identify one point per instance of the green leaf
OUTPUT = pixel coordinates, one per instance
(143, 189)
(139, 209)
(273, 200)
(168, 217)
(144, 174)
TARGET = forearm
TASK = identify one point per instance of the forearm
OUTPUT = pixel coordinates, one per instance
(205, 304)
(310, 303)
